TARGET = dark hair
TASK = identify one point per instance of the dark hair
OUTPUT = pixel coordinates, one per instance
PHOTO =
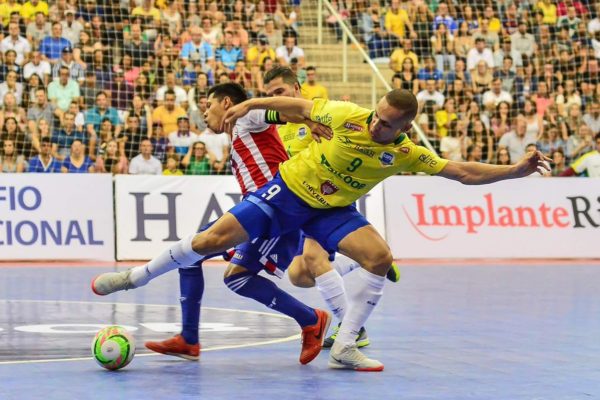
(285, 73)
(597, 137)
(403, 100)
(234, 91)
(311, 68)
(45, 139)
(169, 91)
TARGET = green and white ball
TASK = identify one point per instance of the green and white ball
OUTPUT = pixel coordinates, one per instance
(113, 347)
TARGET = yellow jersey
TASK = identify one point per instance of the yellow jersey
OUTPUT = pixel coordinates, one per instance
(338, 172)
(295, 137)
(311, 92)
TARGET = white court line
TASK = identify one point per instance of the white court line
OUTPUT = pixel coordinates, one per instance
(234, 346)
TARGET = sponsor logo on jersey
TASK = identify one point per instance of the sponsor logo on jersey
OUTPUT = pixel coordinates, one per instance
(313, 192)
(301, 132)
(405, 150)
(348, 180)
(386, 158)
(274, 257)
(324, 119)
(353, 127)
(427, 159)
(328, 188)
(238, 256)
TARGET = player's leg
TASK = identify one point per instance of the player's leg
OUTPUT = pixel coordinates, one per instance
(344, 265)
(242, 277)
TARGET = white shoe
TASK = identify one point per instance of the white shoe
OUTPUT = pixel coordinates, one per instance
(349, 357)
(111, 282)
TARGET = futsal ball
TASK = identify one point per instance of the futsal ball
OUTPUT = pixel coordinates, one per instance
(113, 347)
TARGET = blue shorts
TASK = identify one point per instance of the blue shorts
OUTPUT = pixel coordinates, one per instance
(273, 255)
(274, 210)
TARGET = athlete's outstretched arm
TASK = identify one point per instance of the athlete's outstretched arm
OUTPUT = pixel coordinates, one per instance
(285, 105)
(474, 173)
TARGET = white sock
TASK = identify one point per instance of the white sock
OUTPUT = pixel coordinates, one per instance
(344, 264)
(178, 255)
(367, 296)
(331, 286)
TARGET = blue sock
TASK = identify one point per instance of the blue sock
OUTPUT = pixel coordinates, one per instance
(264, 291)
(191, 285)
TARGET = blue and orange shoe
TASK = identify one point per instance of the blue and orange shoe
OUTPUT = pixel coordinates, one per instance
(176, 346)
(313, 336)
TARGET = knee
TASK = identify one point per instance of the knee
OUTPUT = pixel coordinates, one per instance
(233, 270)
(209, 241)
(299, 276)
(378, 261)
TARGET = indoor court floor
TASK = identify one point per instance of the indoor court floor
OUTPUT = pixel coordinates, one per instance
(518, 330)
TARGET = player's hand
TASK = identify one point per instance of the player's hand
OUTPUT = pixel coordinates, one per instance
(232, 115)
(319, 131)
(532, 162)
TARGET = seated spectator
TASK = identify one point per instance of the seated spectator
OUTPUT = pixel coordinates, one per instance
(401, 53)
(588, 163)
(445, 116)
(77, 162)
(198, 161)
(493, 97)
(442, 43)
(88, 90)
(482, 78)
(168, 113)
(145, 163)
(71, 27)
(559, 162)
(288, 51)
(219, 146)
(501, 121)
(430, 94)
(592, 117)
(227, 55)
(95, 115)
(144, 113)
(510, 20)
(41, 109)
(38, 29)
(522, 41)
(10, 159)
(479, 136)
(517, 140)
(63, 138)
(594, 24)
(311, 89)
(380, 44)
(495, 25)
(171, 85)
(503, 157)
(51, 47)
(242, 76)
(397, 22)
(37, 66)
(479, 53)
(172, 167)
(240, 35)
(548, 8)
(11, 86)
(463, 41)
(257, 54)
(460, 72)
(571, 20)
(272, 33)
(183, 137)
(550, 140)
(506, 75)
(44, 162)
(197, 51)
(120, 94)
(491, 38)
(10, 65)
(31, 7)
(451, 144)
(580, 142)
(14, 41)
(111, 161)
(508, 49)
(130, 139)
(568, 97)
(64, 90)
(406, 78)
(10, 109)
(211, 34)
(76, 71)
(429, 71)
(136, 47)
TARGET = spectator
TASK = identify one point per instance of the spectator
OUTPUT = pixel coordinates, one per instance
(37, 66)
(523, 42)
(495, 25)
(31, 7)
(568, 97)
(198, 161)
(571, 20)
(71, 27)
(443, 17)
(311, 89)
(508, 50)
(469, 18)
(9, 65)
(63, 138)
(33, 83)
(77, 162)
(460, 72)
(44, 162)
(257, 54)
(7, 9)
(397, 22)
(580, 142)
(95, 115)
(272, 33)
(10, 109)
(227, 55)
(430, 94)
(463, 41)
(137, 48)
(563, 8)
(242, 76)
(588, 163)
(168, 113)
(130, 139)
(14, 41)
(120, 94)
(548, 7)
(442, 43)
(160, 141)
(41, 109)
(197, 51)
(11, 86)
(479, 53)
(76, 71)
(550, 141)
(516, 140)
(407, 78)
(38, 29)
(172, 167)
(111, 161)
(150, 14)
(183, 137)
(211, 34)
(503, 157)
(79, 116)
(288, 51)
(535, 123)
(423, 21)
(144, 114)
(592, 117)
(10, 159)
(474, 153)
(401, 53)
(429, 71)
(171, 85)
(510, 21)
(240, 35)
(593, 26)
(501, 122)
(506, 75)
(218, 145)
(64, 90)
(380, 44)
(492, 40)
(145, 163)
(445, 116)
(51, 47)
(482, 78)
(559, 164)
(450, 144)
(480, 137)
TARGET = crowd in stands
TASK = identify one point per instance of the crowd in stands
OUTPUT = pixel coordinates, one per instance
(121, 86)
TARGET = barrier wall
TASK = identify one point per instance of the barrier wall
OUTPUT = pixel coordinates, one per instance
(57, 217)
(61, 217)
(431, 217)
(154, 211)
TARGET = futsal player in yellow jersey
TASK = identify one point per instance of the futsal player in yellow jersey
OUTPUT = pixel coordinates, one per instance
(315, 191)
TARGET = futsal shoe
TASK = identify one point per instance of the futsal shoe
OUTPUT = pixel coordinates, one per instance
(313, 336)
(362, 340)
(349, 357)
(393, 274)
(111, 282)
(176, 346)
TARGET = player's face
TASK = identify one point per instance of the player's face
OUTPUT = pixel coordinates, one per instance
(277, 87)
(215, 110)
(387, 123)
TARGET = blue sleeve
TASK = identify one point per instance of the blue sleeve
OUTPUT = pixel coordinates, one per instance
(240, 56)
(421, 75)
(209, 50)
(66, 162)
(33, 165)
(43, 47)
(218, 55)
(55, 166)
(114, 117)
(90, 117)
(185, 50)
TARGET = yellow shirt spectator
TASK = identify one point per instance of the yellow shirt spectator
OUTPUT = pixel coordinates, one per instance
(168, 118)
(6, 9)
(29, 10)
(152, 12)
(395, 22)
(398, 56)
(495, 25)
(442, 119)
(256, 56)
(168, 172)
(549, 10)
(316, 91)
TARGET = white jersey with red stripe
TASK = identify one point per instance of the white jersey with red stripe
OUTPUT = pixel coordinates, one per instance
(256, 151)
